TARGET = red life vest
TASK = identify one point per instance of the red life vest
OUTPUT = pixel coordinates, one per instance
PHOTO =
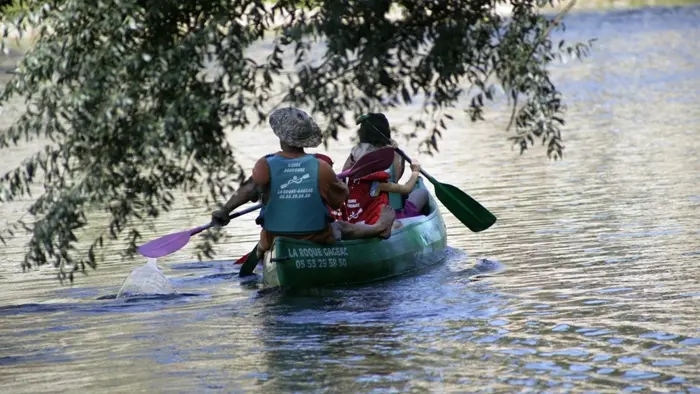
(362, 207)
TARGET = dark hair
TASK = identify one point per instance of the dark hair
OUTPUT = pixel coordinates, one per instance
(369, 134)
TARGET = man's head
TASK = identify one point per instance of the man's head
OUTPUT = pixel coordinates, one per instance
(295, 128)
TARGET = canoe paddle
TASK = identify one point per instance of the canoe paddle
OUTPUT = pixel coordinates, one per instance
(376, 161)
(466, 209)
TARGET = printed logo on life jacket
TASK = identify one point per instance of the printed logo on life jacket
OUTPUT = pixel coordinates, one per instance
(355, 215)
(294, 167)
(352, 203)
(296, 180)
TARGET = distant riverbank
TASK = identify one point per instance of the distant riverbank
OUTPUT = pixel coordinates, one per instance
(502, 9)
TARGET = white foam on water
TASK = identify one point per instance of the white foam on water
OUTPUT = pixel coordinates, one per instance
(146, 280)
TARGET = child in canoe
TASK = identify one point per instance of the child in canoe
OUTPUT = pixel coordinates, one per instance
(369, 194)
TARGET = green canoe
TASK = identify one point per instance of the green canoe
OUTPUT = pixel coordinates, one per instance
(303, 264)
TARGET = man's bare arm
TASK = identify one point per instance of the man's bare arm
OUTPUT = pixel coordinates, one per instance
(248, 191)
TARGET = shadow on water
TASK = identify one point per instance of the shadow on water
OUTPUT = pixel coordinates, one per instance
(144, 303)
(454, 260)
(358, 335)
(287, 326)
(210, 273)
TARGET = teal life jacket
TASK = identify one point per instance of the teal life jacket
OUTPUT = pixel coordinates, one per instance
(294, 204)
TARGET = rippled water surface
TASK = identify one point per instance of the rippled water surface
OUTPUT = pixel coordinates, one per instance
(596, 288)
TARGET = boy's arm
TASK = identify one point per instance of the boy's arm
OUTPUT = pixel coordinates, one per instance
(404, 190)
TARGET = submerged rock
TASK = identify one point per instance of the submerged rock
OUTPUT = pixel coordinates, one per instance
(146, 280)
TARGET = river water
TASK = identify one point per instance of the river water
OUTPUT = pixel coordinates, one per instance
(595, 287)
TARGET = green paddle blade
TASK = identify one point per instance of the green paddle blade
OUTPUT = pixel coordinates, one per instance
(466, 209)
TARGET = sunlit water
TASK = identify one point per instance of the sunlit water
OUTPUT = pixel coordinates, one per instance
(596, 287)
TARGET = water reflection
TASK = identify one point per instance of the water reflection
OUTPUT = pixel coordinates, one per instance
(595, 286)
(381, 339)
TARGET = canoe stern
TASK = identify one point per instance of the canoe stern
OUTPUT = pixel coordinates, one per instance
(296, 263)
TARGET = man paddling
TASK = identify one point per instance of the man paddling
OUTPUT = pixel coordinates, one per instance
(294, 187)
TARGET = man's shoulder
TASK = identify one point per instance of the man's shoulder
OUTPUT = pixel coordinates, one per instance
(269, 155)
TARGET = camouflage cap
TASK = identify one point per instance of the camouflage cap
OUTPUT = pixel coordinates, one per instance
(295, 128)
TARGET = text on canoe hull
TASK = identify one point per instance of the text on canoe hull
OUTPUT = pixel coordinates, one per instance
(321, 263)
(317, 252)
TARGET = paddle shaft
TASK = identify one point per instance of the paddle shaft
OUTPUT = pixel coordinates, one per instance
(232, 216)
(408, 160)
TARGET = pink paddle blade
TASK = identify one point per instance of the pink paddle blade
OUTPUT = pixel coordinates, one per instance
(171, 243)
(165, 245)
(378, 160)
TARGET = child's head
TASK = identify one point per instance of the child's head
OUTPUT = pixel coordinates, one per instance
(370, 134)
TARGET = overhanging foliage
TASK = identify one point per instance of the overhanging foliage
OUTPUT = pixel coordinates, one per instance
(116, 90)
